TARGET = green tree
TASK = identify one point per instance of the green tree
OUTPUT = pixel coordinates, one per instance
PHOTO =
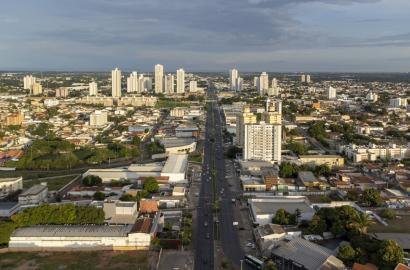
(297, 148)
(128, 198)
(361, 222)
(92, 180)
(151, 185)
(281, 217)
(390, 254)
(371, 197)
(347, 254)
(317, 225)
(287, 170)
(270, 266)
(99, 196)
(388, 213)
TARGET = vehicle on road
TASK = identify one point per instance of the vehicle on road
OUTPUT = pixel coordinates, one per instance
(233, 200)
(235, 223)
(206, 224)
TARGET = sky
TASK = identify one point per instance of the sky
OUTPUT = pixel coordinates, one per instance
(206, 35)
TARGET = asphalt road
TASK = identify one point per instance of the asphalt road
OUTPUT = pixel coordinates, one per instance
(222, 227)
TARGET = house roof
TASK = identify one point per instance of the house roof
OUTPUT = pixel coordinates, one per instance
(307, 176)
(401, 266)
(175, 164)
(367, 266)
(148, 206)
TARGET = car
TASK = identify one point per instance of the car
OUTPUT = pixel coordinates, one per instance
(206, 224)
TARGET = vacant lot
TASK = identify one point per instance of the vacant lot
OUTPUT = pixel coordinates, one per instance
(138, 260)
(399, 225)
(53, 183)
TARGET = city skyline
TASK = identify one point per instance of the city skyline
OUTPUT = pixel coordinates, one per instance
(277, 36)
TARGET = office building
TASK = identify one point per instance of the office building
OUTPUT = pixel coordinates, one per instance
(244, 118)
(37, 89)
(180, 81)
(169, 84)
(331, 93)
(262, 141)
(263, 83)
(28, 82)
(116, 83)
(98, 119)
(233, 79)
(93, 89)
(159, 78)
(193, 87)
(132, 83)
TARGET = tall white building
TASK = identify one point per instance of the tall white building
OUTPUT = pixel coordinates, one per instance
(132, 83)
(256, 82)
(180, 81)
(303, 78)
(274, 90)
(28, 82)
(234, 74)
(36, 89)
(239, 84)
(93, 89)
(116, 83)
(193, 86)
(263, 83)
(159, 78)
(263, 142)
(308, 78)
(331, 93)
(372, 97)
(169, 84)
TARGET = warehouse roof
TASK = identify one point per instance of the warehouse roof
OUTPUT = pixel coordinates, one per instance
(34, 190)
(73, 231)
(176, 164)
(308, 254)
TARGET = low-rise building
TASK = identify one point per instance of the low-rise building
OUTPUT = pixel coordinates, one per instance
(10, 185)
(118, 212)
(35, 195)
(7, 209)
(329, 160)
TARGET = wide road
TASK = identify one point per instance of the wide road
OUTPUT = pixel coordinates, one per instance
(204, 238)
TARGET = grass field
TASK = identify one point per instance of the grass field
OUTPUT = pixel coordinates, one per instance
(76, 260)
(54, 183)
(398, 225)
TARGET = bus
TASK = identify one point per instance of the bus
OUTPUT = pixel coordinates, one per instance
(255, 263)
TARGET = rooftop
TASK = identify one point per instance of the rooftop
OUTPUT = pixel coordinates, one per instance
(308, 254)
(34, 190)
(72, 231)
(307, 176)
(270, 206)
(11, 179)
(7, 205)
(176, 164)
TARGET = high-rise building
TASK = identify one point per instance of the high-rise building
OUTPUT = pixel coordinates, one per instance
(36, 89)
(233, 79)
(159, 78)
(116, 83)
(274, 90)
(246, 117)
(263, 83)
(132, 83)
(62, 92)
(169, 84)
(331, 93)
(93, 89)
(372, 97)
(262, 141)
(303, 78)
(308, 78)
(28, 82)
(239, 84)
(148, 84)
(273, 112)
(180, 81)
(256, 82)
(193, 86)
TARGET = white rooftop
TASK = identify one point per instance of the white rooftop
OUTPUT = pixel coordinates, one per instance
(176, 164)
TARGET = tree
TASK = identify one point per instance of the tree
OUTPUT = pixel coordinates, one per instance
(128, 198)
(390, 254)
(388, 213)
(99, 196)
(92, 180)
(287, 170)
(151, 185)
(323, 170)
(297, 148)
(371, 197)
(347, 254)
(317, 225)
(361, 222)
(281, 217)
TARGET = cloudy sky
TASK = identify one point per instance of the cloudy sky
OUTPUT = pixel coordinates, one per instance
(206, 35)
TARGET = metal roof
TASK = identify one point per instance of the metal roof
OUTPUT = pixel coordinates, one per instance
(73, 231)
(176, 164)
(34, 190)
